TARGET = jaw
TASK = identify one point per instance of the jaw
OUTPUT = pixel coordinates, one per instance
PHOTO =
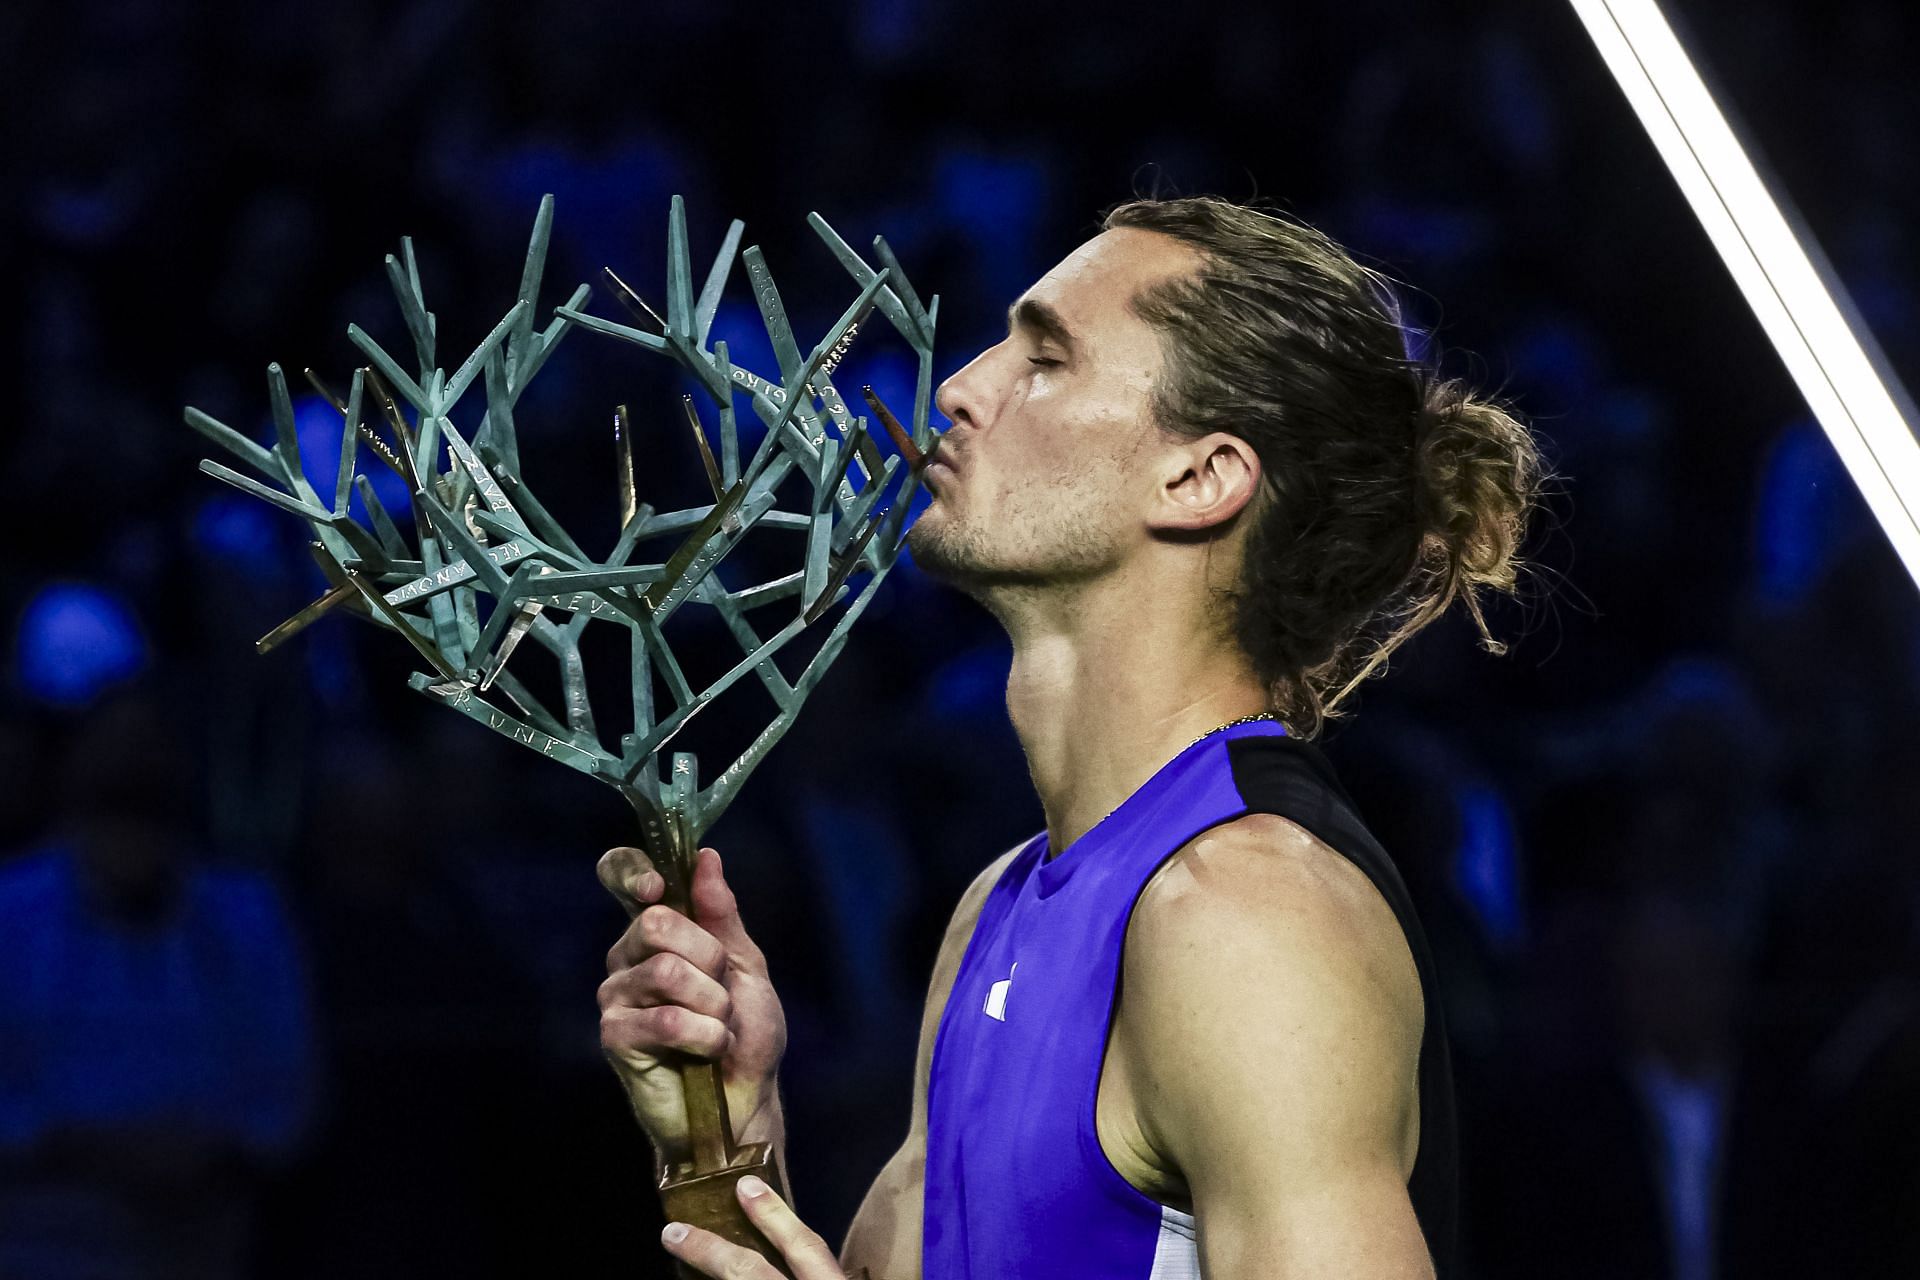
(948, 551)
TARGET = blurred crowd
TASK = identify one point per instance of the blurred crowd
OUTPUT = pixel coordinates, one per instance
(297, 972)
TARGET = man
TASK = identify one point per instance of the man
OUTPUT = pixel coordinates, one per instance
(1191, 1027)
(157, 1050)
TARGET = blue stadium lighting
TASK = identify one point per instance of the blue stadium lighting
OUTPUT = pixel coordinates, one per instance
(970, 685)
(1805, 516)
(1486, 864)
(241, 532)
(75, 641)
(317, 425)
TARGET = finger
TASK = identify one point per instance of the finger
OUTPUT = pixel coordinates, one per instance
(708, 1254)
(628, 875)
(718, 911)
(659, 928)
(808, 1256)
(666, 979)
(651, 1032)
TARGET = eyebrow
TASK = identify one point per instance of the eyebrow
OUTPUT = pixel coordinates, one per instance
(1033, 314)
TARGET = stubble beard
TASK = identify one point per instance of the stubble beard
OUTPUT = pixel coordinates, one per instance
(953, 552)
(1022, 560)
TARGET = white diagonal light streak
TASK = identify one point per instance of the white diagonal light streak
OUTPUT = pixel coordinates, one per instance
(1768, 260)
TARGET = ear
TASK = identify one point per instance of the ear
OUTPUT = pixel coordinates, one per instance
(1205, 483)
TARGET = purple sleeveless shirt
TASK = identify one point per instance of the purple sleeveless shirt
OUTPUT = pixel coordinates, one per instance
(1017, 1186)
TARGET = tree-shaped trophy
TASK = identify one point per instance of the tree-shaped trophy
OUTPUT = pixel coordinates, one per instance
(489, 567)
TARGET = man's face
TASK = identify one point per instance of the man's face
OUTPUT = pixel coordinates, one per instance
(1040, 478)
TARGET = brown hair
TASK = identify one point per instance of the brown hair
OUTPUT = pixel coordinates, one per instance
(1388, 492)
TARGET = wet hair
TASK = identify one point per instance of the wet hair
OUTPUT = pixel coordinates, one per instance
(1388, 492)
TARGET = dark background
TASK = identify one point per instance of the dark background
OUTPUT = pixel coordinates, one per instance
(297, 974)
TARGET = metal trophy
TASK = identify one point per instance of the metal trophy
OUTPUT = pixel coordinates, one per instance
(479, 533)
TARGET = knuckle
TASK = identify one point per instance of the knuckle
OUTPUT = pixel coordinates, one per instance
(655, 925)
(663, 967)
(657, 972)
(605, 871)
(615, 871)
(676, 976)
(713, 959)
(618, 1034)
(714, 1036)
(624, 857)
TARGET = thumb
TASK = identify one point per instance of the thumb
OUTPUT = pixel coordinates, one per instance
(715, 908)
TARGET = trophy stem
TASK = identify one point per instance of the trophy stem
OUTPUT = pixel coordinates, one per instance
(700, 1189)
(709, 1128)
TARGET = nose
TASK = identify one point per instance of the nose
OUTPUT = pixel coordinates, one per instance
(961, 396)
(948, 400)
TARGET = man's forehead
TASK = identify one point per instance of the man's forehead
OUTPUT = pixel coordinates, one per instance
(1101, 277)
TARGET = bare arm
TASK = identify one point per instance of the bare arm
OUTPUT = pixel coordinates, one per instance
(1273, 1016)
(885, 1236)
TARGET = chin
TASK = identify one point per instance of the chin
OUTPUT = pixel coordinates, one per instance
(946, 550)
(930, 541)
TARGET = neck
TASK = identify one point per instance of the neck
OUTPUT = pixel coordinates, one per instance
(1103, 692)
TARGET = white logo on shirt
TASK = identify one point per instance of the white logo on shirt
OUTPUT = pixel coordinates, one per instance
(996, 1007)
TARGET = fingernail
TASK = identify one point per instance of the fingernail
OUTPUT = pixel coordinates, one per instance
(675, 1233)
(752, 1188)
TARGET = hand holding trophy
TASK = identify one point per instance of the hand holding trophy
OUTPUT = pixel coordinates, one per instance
(489, 567)
(693, 986)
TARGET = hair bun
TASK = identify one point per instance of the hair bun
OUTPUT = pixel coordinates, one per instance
(1478, 469)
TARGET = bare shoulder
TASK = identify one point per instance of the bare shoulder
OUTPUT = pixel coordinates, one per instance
(1263, 897)
(1269, 1043)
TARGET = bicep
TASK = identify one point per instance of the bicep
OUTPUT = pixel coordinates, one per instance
(884, 1239)
(1358, 1223)
(1278, 1029)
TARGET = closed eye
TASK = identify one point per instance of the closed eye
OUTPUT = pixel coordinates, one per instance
(1043, 361)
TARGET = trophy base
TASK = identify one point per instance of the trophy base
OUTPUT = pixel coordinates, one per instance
(708, 1201)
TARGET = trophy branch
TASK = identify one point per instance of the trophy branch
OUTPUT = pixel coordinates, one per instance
(487, 567)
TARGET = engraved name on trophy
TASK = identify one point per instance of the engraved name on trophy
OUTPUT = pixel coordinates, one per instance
(489, 566)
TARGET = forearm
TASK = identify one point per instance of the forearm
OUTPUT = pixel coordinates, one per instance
(884, 1240)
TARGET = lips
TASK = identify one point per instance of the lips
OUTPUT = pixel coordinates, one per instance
(943, 454)
(939, 475)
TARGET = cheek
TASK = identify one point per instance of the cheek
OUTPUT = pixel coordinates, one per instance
(1062, 493)
(1061, 457)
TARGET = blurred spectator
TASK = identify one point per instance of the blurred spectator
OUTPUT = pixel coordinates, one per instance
(156, 1041)
(433, 1035)
(1632, 1129)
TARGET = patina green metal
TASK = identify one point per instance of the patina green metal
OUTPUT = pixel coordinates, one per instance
(488, 568)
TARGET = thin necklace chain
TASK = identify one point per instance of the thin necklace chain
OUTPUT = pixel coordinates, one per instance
(1264, 715)
(1219, 728)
